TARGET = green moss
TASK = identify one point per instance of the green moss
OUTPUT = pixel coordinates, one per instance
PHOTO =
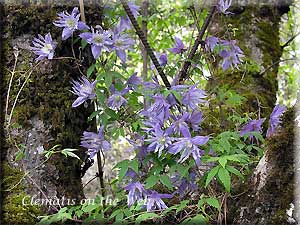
(11, 177)
(14, 212)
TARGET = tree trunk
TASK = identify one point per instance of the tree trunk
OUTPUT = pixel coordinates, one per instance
(43, 116)
(269, 192)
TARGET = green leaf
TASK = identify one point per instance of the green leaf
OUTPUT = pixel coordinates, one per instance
(151, 181)
(108, 80)
(90, 70)
(233, 170)
(223, 162)
(182, 206)
(134, 164)
(145, 216)
(201, 203)
(123, 171)
(213, 202)
(69, 152)
(224, 177)
(83, 43)
(20, 155)
(89, 207)
(232, 158)
(234, 100)
(211, 175)
(120, 216)
(93, 115)
(197, 220)
(165, 180)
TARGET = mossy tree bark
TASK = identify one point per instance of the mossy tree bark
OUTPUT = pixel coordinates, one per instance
(43, 116)
(258, 36)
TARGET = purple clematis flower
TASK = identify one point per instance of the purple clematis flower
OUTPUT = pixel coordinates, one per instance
(125, 21)
(136, 193)
(70, 23)
(95, 142)
(178, 47)
(134, 81)
(117, 100)
(195, 119)
(84, 90)
(159, 141)
(231, 55)
(223, 6)
(154, 201)
(44, 47)
(188, 146)
(99, 39)
(252, 126)
(211, 42)
(184, 185)
(275, 119)
(179, 126)
(121, 43)
(160, 109)
(194, 97)
(162, 59)
(139, 146)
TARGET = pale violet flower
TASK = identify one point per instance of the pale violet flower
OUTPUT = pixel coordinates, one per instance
(43, 47)
(70, 23)
(84, 89)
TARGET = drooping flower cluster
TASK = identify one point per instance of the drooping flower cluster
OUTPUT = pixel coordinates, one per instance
(275, 119)
(223, 6)
(252, 126)
(152, 200)
(230, 53)
(98, 38)
(178, 47)
(95, 142)
(256, 125)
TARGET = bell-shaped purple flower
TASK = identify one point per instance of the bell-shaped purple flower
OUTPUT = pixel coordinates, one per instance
(99, 40)
(163, 59)
(134, 81)
(178, 47)
(84, 89)
(125, 21)
(43, 47)
(160, 109)
(136, 193)
(211, 42)
(121, 43)
(70, 23)
(195, 119)
(95, 142)
(159, 140)
(224, 5)
(193, 97)
(179, 126)
(154, 201)
(140, 146)
(184, 185)
(275, 119)
(117, 100)
(188, 146)
(252, 126)
(231, 55)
